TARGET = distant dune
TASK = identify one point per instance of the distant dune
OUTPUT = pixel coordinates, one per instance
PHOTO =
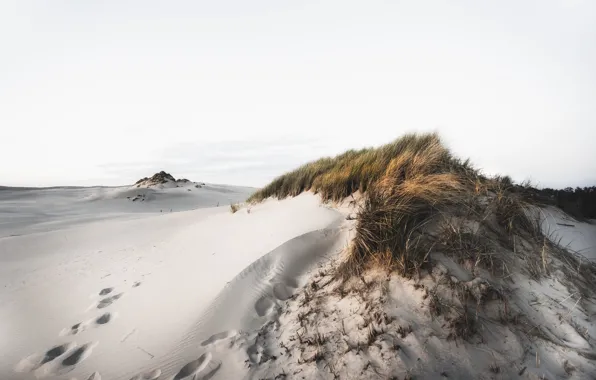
(27, 209)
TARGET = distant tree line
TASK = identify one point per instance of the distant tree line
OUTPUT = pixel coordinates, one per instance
(578, 202)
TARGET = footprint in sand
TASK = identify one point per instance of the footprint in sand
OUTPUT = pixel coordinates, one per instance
(57, 360)
(103, 319)
(210, 374)
(55, 352)
(82, 326)
(105, 291)
(94, 376)
(108, 301)
(74, 329)
(194, 367)
(152, 375)
(263, 306)
(219, 336)
(258, 354)
(136, 284)
(33, 362)
(78, 355)
(283, 291)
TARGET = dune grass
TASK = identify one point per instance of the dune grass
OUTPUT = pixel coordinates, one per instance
(410, 186)
(338, 177)
(418, 201)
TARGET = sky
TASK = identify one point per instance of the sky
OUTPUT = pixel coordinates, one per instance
(238, 92)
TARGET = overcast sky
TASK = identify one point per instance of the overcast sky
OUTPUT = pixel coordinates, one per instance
(105, 92)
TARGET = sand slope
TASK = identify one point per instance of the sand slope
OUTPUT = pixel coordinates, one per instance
(576, 236)
(207, 294)
(26, 210)
(384, 326)
(154, 295)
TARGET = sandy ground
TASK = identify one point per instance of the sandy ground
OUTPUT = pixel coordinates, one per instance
(24, 211)
(209, 294)
(123, 297)
(383, 326)
(576, 236)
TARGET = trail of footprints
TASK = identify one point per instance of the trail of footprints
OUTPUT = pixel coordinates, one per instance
(57, 360)
(254, 343)
(99, 320)
(63, 358)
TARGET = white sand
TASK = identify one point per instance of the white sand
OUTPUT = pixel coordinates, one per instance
(576, 236)
(24, 211)
(179, 262)
(207, 294)
(382, 327)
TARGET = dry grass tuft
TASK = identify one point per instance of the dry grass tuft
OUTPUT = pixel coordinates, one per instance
(234, 207)
(420, 183)
(462, 327)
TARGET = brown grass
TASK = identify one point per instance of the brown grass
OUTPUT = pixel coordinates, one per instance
(420, 183)
(412, 185)
(234, 207)
(338, 177)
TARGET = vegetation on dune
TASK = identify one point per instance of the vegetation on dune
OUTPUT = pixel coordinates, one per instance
(419, 199)
(424, 202)
(424, 212)
(234, 207)
(338, 177)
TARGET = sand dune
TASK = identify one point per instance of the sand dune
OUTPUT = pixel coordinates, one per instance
(154, 294)
(134, 293)
(26, 210)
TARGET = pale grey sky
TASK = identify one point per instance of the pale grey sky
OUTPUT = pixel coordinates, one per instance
(105, 92)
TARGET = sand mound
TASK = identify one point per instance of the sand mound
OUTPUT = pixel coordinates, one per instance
(156, 296)
(165, 180)
(450, 273)
(26, 211)
(173, 297)
(455, 319)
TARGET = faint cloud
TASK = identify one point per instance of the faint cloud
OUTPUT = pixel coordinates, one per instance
(235, 162)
